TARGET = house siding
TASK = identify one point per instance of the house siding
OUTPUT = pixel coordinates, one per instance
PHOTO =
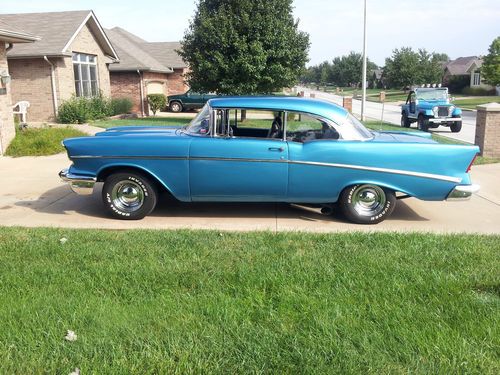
(31, 81)
(7, 129)
(177, 83)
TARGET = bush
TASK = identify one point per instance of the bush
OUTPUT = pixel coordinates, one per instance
(157, 102)
(81, 110)
(478, 91)
(120, 106)
(456, 84)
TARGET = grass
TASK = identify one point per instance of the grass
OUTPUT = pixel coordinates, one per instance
(40, 141)
(203, 302)
(145, 121)
(471, 103)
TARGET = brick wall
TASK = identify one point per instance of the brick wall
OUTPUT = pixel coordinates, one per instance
(127, 85)
(31, 82)
(177, 83)
(488, 130)
(7, 129)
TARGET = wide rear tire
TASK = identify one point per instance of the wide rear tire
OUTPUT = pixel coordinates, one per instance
(129, 195)
(367, 204)
(456, 126)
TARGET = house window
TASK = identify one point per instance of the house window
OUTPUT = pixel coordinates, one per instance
(85, 69)
(476, 81)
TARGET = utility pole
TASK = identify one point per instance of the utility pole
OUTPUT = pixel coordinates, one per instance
(363, 85)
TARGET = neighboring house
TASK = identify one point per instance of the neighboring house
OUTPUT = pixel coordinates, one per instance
(467, 67)
(9, 35)
(71, 58)
(145, 68)
(376, 79)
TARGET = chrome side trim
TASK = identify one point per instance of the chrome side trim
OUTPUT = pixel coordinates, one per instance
(82, 185)
(318, 164)
(462, 192)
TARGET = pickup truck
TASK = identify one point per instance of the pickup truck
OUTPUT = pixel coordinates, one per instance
(429, 108)
(188, 100)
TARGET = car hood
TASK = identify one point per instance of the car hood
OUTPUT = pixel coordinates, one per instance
(429, 104)
(402, 137)
(141, 130)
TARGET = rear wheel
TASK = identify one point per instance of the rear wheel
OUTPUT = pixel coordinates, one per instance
(176, 107)
(129, 195)
(367, 204)
(456, 126)
(423, 123)
(405, 121)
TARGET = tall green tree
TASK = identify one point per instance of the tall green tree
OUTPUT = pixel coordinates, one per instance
(491, 64)
(244, 46)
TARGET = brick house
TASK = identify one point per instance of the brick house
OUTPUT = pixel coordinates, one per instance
(9, 36)
(469, 68)
(145, 68)
(71, 58)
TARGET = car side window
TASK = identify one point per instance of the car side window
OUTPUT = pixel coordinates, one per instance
(250, 123)
(302, 128)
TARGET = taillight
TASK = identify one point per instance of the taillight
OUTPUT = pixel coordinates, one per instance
(470, 165)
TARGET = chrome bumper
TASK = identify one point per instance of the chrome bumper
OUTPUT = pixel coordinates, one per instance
(462, 192)
(446, 119)
(82, 185)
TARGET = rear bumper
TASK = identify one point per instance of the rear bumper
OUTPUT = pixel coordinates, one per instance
(82, 185)
(462, 192)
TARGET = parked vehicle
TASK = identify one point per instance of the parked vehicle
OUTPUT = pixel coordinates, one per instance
(429, 108)
(188, 100)
(287, 149)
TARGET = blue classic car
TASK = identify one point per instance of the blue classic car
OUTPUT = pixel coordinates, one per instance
(286, 150)
(429, 108)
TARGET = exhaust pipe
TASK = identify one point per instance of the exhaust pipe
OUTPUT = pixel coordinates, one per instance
(327, 210)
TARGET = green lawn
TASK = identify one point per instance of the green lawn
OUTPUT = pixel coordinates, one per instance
(202, 302)
(41, 141)
(471, 103)
(146, 121)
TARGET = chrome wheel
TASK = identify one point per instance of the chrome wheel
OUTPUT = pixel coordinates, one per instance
(368, 200)
(127, 196)
(176, 107)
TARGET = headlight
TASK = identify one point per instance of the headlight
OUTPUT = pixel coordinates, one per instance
(435, 110)
(450, 110)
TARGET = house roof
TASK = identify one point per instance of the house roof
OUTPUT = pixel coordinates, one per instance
(56, 30)
(463, 65)
(138, 54)
(377, 73)
(11, 34)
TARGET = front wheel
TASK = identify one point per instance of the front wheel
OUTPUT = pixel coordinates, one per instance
(405, 121)
(367, 204)
(423, 123)
(129, 195)
(176, 107)
(456, 126)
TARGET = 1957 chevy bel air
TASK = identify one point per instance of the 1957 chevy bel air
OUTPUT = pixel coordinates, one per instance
(284, 150)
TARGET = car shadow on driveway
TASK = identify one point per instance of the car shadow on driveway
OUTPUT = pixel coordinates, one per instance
(62, 201)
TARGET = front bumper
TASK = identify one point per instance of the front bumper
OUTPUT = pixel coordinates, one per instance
(462, 192)
(82, 185)
(445, 119)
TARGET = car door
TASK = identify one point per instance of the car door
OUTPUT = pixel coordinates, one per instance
(413, 104)
(245, 169)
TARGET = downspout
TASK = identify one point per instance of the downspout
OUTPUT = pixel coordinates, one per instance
(142, 92)
(53, 81)
(9, 47)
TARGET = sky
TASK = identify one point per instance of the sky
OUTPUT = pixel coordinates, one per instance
(456, 27)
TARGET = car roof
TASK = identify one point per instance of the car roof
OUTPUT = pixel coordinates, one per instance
(318, 107)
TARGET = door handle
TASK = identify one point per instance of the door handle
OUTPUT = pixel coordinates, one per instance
(279, 149)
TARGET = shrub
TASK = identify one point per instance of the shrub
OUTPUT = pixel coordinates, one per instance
(81, 110)
(157, 102)
(120, 105)
(456, 84)
(478, 91)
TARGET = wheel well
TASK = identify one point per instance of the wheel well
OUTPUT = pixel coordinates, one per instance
(176, 101)
(106, 172)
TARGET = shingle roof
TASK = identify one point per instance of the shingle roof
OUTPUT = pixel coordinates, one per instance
(138, 54)
(462, 65)
(12, 34)
(56, 30)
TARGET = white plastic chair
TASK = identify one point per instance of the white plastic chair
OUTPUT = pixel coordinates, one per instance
(23, 110)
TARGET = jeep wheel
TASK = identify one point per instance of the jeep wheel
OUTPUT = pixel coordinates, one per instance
(366, 204)
(456, 126)
(176, 107)
(129, 195)
(405, 121)
(423, 123)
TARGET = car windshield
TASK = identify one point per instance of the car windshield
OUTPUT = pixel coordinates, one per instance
(432, 94)
(353, 129)
(201, 123)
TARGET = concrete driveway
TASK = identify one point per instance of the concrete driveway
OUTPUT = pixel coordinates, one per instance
(392, 115)
(32, 196)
